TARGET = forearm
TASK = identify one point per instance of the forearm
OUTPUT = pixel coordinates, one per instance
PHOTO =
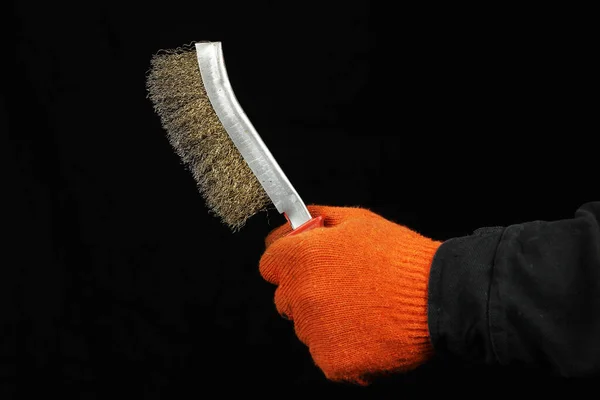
(524, 294)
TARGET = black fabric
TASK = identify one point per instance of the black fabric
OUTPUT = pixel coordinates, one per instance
(458, 294)
(525, 295)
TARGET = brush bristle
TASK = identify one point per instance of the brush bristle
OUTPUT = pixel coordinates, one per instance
(229, 187)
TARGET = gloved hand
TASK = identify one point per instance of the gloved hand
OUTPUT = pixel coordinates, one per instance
(356, 291)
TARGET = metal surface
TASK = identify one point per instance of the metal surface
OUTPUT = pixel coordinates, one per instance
(244, 136)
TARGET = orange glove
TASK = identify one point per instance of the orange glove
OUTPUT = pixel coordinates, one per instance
(356, 291)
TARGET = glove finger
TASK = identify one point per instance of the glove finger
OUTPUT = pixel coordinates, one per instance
(269, 267)
(277, 233)
(278, 258)
(282, 303)
(334, 216)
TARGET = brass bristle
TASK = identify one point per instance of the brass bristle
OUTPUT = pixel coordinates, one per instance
(229, 187)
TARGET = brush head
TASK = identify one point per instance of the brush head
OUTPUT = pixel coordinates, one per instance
(228, 185)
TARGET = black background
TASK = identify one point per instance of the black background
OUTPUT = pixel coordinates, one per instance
(116, 280)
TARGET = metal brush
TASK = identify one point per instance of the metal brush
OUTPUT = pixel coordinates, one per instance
(235, 171)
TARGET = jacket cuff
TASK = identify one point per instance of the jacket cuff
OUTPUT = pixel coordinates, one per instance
(458, 296)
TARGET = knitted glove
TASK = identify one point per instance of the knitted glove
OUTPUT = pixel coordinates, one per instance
(356, 291)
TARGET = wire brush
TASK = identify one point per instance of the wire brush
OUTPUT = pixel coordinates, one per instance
(234, 171)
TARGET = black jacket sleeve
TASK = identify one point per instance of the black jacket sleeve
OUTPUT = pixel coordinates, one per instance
(526, 294)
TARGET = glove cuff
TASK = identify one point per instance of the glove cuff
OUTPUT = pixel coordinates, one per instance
(406, 296)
